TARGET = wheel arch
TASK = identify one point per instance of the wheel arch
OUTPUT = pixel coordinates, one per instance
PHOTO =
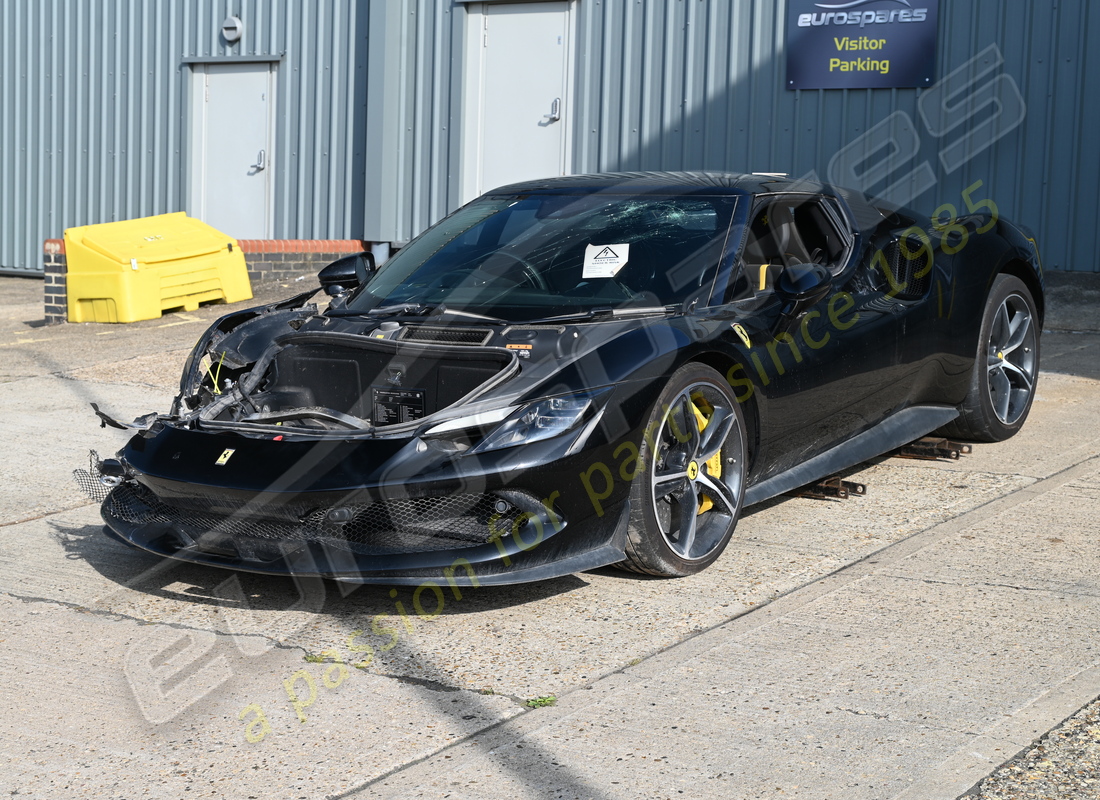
(1026, 273)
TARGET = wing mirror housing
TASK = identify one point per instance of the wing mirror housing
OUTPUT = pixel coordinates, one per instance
(344, 274)
(799, 287)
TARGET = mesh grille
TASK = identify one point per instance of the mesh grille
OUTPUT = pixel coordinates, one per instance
(88, 479)
(378, 528)
(913, 272)
(427, 333)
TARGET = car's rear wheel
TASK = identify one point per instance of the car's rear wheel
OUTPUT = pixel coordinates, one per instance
(687, 494)
(1002, 385)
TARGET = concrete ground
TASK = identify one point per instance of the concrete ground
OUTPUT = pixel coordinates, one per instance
(900, 645)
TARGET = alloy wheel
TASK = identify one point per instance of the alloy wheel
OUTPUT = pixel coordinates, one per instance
(1010, 359)
(696, 483)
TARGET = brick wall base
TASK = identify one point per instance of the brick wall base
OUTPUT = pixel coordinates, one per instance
(265, 259)
(279, 259)
(55, 301)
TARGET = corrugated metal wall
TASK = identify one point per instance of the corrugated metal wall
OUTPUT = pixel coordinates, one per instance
(698, 84)
(93, 112)
(93, 107)
(429, 100)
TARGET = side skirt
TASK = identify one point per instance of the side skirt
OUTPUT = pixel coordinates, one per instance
(893, 432)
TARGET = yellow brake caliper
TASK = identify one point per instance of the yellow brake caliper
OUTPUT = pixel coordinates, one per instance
(703, 411)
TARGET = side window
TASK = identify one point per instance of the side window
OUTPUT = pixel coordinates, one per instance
(792, 230)
(760, 246)
(762, 259)
(819, 235)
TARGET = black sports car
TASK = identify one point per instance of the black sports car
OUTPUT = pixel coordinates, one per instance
(582, 371)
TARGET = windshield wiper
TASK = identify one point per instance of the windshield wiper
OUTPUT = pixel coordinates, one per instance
(442, 309)
(403, 309)
(603, 312)
(415, 310)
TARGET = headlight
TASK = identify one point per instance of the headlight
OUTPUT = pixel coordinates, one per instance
(540, 420)
(481, 420)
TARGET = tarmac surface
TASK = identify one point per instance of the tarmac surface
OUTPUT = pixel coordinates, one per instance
(906, 644)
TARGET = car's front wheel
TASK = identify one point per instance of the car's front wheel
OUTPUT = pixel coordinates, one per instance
(687, 494)
(1002, 385)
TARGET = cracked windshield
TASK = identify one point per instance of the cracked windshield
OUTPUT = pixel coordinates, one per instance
(526, 257)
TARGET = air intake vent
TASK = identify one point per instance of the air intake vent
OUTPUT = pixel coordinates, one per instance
(440, 335)
(910, 264)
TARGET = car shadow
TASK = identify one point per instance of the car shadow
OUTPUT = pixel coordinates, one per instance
(181, 581)
(1070, 353)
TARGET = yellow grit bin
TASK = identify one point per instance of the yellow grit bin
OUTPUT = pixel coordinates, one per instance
(138, 268)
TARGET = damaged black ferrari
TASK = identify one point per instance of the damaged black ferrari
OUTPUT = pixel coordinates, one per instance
(578, 372)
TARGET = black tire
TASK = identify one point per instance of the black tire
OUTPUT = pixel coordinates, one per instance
(1006, 368)
(686, 496)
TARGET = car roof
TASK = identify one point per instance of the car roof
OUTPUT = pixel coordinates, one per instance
(865, 212)
(665, 182)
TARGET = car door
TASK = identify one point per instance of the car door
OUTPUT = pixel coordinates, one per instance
(909, 266)
(826, 374)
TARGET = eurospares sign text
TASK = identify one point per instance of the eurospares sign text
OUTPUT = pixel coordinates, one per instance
(861, 44)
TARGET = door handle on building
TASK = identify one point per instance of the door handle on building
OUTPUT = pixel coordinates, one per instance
(260, 161)
(555, 110)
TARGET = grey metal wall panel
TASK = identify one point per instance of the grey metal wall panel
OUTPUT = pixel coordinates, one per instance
(93, 109)
(699, 84)
(93, 112)
(414, 97)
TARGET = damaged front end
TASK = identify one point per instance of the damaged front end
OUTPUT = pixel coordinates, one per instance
(344, 447)
(286, 370)
(317, 381)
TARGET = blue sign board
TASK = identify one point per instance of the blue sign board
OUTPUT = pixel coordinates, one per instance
(861, 44)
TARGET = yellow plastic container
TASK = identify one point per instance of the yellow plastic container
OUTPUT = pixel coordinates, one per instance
(139, 268)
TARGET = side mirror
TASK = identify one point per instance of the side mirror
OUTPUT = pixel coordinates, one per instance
(344, 274)
(799, 287)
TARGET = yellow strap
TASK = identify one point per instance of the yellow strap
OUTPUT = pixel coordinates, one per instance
(214, 376)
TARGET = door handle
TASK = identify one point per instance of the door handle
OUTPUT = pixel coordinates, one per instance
(260, 161)
(555, 110)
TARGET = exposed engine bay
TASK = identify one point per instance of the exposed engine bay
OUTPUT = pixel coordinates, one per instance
(293, 369)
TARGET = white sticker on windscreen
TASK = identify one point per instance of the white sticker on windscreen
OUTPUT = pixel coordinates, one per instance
(604, 260)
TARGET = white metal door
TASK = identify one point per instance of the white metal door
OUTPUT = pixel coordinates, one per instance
(231, 152)
(522, 93)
